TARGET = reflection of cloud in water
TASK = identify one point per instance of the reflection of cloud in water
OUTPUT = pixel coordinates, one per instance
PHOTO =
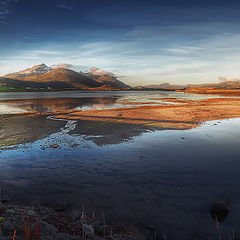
(99, 106)
(11, 108)
(53, 105)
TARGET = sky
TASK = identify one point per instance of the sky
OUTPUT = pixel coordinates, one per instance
(142, 41)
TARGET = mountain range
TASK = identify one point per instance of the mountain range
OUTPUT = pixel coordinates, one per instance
(231, 84)
(44, 77)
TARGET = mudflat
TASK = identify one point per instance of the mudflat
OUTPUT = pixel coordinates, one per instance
(185, 115)
(24, 128)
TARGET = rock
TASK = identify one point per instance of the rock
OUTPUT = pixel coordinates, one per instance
(99, 238)
(31, 213)
(9, 211)
(76, 215)
(98, 228)
(220, 210)
(62, 236)
(7, 227)
(54, 146)
(5, 199)
(76, 238)
(88, 230)
(150, 232)
(60, 206)
(46, 228)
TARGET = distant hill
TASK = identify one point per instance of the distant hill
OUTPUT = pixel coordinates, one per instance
(235, 84)
(109, 80)
(41, 76)
(106, 78)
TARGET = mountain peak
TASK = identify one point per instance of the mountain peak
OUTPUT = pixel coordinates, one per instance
(42, 76)
(35, 70)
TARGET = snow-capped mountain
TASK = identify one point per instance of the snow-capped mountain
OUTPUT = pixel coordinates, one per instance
(35, 70)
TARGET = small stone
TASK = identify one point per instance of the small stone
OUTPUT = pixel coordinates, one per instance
(54, 146)
(31, 212)
(46, 228)
(88, 230)
(220, 210)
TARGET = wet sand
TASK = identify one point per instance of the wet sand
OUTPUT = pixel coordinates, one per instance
(24, 128)
(188, 115)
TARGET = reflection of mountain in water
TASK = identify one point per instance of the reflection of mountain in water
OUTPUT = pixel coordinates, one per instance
(56, 105)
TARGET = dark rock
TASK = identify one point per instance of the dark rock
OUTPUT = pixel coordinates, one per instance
(31, 212)
(62, 236)
(88, 231)
(220, 210)
(60, 206)
(98, 228)
(54, 146)
(76, 215)
(46, 228)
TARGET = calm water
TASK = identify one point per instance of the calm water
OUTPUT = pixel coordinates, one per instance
(165, 179)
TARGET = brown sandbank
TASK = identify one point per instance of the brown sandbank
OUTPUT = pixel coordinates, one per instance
(186, 116)
(226, 92)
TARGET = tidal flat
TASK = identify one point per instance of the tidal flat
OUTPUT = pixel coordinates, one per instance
(149, 159)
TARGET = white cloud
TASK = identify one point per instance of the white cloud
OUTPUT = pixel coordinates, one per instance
(64, 6)
(144, 61)
(62, 65)
(98, 72)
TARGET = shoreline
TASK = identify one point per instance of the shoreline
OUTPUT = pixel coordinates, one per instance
(212, 91)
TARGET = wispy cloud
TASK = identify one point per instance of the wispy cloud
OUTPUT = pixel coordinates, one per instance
(65, 6)
(185, 49)
(62, 65)
(148, 59)
(4, 9)
(4, 12)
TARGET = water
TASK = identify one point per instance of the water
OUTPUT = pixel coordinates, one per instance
(165, 179)
(12, 102)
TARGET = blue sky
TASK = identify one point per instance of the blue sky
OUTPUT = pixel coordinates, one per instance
(143, 42)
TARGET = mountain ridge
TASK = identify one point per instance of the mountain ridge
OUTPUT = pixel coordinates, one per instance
(42, 76)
